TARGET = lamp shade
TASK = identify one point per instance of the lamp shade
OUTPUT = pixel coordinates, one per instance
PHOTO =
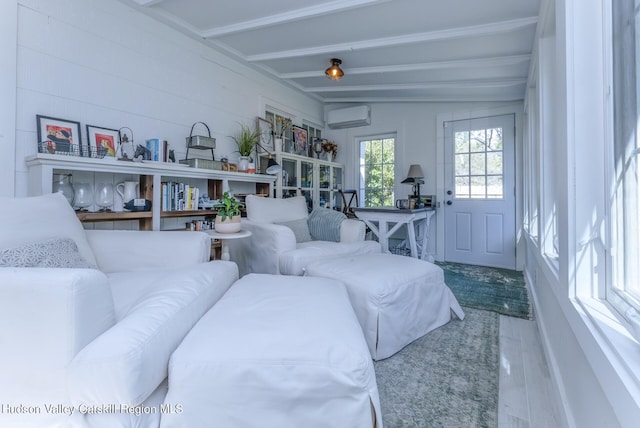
(273, 167)
(415, 175)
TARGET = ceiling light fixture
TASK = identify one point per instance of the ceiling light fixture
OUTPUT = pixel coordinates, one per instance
(334, 72)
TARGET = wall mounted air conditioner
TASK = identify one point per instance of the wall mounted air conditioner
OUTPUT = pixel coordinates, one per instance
(349, 117)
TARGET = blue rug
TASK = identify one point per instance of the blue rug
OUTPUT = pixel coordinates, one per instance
(491, 289)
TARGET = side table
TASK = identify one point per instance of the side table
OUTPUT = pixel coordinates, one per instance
(224, 237)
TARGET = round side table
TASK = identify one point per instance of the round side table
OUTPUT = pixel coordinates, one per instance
(224, 237)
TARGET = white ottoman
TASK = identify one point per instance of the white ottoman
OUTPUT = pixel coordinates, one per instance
(275, 351)
(397, 299)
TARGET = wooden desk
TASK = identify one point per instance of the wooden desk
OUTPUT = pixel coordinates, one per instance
(384, 221)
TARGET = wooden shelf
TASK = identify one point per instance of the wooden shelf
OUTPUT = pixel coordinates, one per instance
(113, 216)
(187, 213)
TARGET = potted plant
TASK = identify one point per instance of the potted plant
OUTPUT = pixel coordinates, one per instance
(246, 139)
(228, 214)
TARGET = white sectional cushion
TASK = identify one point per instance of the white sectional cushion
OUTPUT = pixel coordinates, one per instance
(28, 220)
(155, 310)
(294, 262)
(275, 210)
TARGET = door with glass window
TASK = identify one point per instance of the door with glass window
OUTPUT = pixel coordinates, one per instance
(479, 206)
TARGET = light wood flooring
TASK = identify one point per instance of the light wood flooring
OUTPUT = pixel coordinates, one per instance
(527, 398)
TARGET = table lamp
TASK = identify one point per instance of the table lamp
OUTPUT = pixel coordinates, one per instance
(415, 177)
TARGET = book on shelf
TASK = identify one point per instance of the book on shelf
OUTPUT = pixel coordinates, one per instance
(156, 148)
(179, 196)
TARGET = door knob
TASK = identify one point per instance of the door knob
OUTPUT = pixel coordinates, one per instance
(449, 192)
(449, 202)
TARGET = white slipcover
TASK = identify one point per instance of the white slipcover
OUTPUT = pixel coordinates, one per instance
(397, 299)
(275, 351)
(269, 242)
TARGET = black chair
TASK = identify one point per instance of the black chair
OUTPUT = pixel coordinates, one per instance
(352, 202)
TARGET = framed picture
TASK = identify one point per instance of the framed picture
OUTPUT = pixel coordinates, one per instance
(103, 142)
(266, 136)
(155, 150)
(300, 140)
(59, 136)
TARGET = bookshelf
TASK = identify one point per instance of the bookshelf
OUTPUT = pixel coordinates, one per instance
(150, 176)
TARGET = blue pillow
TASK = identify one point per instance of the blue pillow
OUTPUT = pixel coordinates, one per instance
(324, 224)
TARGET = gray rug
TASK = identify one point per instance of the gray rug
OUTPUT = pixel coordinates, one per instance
(448, 378)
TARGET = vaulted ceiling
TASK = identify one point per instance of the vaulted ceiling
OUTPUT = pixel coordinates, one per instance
(391, 50)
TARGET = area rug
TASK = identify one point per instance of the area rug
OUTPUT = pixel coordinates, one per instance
(447, 378)
(500, 290)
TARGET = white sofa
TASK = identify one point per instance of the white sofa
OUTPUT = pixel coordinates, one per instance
(283, 241)
(94, 341)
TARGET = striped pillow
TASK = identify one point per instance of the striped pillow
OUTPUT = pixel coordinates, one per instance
(324, 224)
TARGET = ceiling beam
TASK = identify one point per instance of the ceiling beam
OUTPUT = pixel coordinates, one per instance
(427, 99)
(463, 63)
(430, 36)
(289, 16)
(148, 2)
(468, 84)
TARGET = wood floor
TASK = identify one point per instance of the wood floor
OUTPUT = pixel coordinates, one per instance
(527, 396)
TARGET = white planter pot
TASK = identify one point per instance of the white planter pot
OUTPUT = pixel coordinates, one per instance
(229, 225)
(243, 163)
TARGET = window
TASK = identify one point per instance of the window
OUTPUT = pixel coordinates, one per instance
(478, 164)
(377, 166)
(278, 119)
(623, 289)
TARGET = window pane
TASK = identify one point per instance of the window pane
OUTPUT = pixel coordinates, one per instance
(477, 141)
(462, 142)
(462, 164)
(477, 164)
(495, 188)
(494, 139)
(462, 187)
(494, 163)
(478, 188)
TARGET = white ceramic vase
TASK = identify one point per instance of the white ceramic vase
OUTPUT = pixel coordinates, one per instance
(243, 163)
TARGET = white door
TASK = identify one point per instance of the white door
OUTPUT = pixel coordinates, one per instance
(479, 208)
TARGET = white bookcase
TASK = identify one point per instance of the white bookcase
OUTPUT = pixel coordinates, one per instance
(149, 175)
(316, 179)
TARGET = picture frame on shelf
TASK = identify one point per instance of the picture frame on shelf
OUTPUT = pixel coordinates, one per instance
(300, 140)
(103, 142)
(59, 136)
(266, 144)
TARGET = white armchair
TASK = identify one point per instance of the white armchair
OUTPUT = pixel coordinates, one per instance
(286, 238)
(84, 337)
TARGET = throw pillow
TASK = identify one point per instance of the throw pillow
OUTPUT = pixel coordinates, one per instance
(52, 253)
(324, 224)
(300, 229)
(36, 218)
(271, 210)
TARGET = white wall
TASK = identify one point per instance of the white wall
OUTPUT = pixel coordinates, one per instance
(8, 46)
(99, 62)
(416, 127)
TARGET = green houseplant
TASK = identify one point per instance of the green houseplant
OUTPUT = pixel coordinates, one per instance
(228, 214)
(246, 139)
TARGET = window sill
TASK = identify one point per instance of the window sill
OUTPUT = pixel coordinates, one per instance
(617, 345)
